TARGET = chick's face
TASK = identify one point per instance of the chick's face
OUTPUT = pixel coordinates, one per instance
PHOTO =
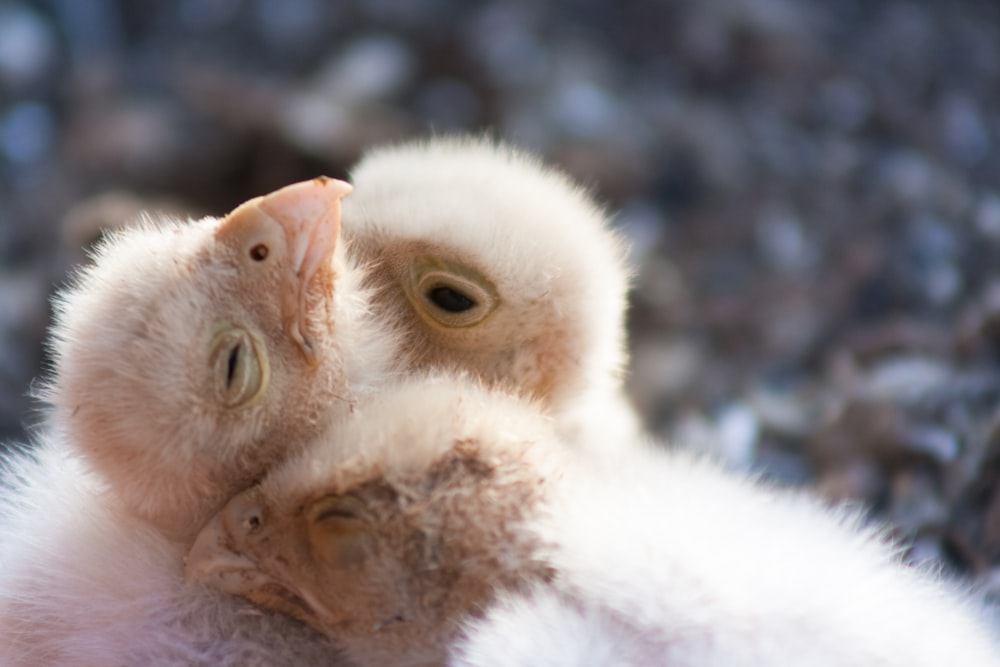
(491, 264)
(190, 354)
(320, 561)
(387, 551)
(458, 314)
(354, 566)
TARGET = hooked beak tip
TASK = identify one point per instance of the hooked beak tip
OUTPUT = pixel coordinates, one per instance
(336, 187)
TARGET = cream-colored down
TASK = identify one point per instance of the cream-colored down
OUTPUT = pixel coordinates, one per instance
(138, 416)
(84, 583)
(668, 561)
(189, 358)
(138, 384)
(445, 518)
(387, 531)
(545, 275)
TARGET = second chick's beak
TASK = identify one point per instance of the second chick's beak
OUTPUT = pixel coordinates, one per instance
(308, 214)
(212, 559)
(218, 559)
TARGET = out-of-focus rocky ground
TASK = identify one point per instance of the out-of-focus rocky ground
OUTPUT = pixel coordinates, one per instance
(812, 191)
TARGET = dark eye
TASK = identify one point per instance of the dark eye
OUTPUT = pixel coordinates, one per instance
(450, 300)
(259, 252)
(447, 294)
(232, 364)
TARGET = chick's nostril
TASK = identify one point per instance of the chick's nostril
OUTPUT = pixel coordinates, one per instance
(259, 252)
(244, 519)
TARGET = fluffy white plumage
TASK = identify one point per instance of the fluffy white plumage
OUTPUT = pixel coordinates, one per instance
(189, 358)
(86, 584)
(652, 558)
(497, 264)
(392, 527)
(663, 559)
(136, 391)
(185, 364)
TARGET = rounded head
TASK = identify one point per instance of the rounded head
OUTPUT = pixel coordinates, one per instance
(388, 532)
(189, 353)
(492, 263)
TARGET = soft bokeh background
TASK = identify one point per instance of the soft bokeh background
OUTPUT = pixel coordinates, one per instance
(812, 191)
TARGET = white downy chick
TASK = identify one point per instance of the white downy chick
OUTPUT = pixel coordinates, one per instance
(213, 427)
(445, 517)
(389, 530)
(497, 264)
(190, 357)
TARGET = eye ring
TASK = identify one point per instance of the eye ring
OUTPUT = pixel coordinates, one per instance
(238, 363)
(449, 294)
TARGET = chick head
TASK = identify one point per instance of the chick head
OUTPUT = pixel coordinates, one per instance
(389, 531)
(492, 263)
(189, 354)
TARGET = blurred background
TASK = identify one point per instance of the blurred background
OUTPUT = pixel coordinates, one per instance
(811, 190)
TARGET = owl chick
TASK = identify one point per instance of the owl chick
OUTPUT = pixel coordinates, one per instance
(189, 358)
(388, 532)
(493, 263)
(190, 355)
(447, 518)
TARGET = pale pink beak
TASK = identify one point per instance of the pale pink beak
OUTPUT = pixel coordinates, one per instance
(309, 212)
(309, 215)
(214, 561)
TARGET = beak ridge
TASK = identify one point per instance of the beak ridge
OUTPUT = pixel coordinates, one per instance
(309, 215)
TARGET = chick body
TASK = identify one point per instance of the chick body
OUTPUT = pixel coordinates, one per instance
(485, 536)
(133, 338)
(665, 559)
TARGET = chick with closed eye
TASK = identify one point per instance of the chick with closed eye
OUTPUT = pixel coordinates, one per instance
(390, 529)
(447, 522)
